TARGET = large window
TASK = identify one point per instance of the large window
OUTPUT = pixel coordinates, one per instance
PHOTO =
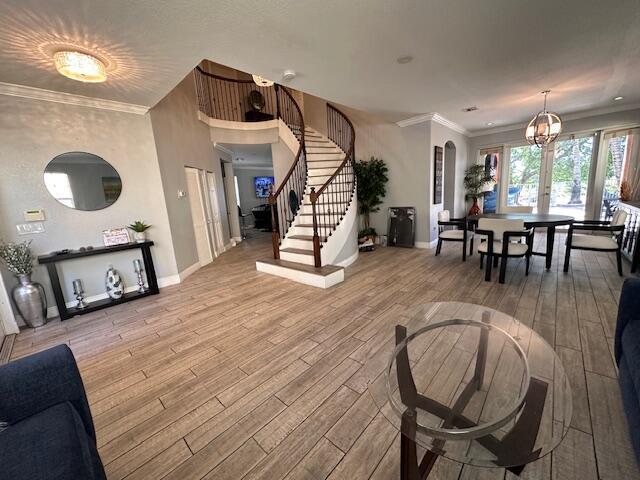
(524, 176)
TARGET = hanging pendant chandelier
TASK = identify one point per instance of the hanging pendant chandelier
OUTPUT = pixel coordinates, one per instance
(545, 127)
(261, 81)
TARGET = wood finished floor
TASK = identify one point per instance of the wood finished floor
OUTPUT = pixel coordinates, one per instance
(236, 374)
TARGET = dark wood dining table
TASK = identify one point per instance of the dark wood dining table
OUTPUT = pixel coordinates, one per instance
(531, 220)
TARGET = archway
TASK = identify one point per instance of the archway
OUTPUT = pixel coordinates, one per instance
(449, 182)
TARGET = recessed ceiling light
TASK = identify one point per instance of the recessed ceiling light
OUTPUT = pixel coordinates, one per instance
(470, 109)
(490, 124)
(288, 75)
(405, 59)
(618, 98)
(80, 66)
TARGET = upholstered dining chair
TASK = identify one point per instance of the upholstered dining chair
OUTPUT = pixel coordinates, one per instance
(502, 239)
(610, 241)
(459, 233)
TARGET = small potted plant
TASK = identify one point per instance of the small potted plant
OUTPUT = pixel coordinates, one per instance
(28, 296)
(372, 181)
(476, 185)
(139, 231)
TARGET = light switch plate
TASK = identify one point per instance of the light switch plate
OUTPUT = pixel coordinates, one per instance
(30, 228)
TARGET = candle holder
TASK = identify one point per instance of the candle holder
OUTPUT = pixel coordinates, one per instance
(78, 291)
(137, 266)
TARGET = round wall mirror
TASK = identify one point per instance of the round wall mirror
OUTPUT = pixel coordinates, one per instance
(82, 181)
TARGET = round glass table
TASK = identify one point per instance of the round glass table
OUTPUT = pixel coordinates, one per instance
(471, 384)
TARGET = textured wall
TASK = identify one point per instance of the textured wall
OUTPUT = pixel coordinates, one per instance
(32, 133)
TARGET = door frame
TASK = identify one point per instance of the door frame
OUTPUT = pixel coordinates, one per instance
(211, 188)
(201, 198)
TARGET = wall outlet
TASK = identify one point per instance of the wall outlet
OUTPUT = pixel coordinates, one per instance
(30, 228)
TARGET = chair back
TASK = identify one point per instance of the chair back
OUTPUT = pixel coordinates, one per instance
(444, 216)
(619, 218)
(500, 225)
(519, 209)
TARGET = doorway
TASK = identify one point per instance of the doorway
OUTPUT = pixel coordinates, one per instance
(199, 215)
(557, 179)
(449, 177)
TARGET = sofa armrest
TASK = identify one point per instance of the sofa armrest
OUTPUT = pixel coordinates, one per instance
(37, 382)
(628, 311)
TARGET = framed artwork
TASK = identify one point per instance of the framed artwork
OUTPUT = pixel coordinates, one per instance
(115, 236)
(438, 165)
(401, 227)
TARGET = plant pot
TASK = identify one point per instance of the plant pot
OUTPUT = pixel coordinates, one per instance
(475, 208)
(30, 300)
(140, 237)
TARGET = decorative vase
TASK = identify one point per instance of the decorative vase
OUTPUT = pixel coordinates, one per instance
(475, 208)
(114, 284)
(30, 300)
(140, 237)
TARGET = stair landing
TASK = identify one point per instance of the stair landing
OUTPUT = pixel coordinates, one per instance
(323, 277)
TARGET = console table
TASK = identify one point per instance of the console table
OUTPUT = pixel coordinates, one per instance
(51, 260)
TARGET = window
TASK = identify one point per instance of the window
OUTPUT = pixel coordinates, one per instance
(59, 186)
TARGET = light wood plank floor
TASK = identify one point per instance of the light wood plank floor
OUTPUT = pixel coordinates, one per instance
(236, 374)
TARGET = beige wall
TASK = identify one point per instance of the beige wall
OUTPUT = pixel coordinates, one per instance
(183, 140)
(247, 188)
(32, 133)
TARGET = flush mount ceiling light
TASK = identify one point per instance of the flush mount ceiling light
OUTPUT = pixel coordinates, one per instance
(288, 75)
(80, 66)
(618, 98)
(404, 60)
(261, 81)
(545, 127)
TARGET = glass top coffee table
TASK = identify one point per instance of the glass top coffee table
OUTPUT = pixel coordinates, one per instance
(471, 384)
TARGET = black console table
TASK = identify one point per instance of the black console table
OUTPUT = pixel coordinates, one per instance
(52, 259)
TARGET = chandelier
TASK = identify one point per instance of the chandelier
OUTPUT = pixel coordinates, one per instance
(261, 81)
(80, 66)
(545, 127)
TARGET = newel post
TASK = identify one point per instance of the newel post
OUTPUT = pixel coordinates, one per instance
(317, 261)
(275, 235)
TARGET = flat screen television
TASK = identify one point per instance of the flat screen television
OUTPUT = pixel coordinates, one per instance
(262, 186)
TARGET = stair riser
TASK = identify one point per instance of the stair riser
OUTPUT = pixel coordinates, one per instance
(333, 164)
(295, 257)
(303, 244)
(318, 181)
(317, 142)
(301, 230)
(324, 156)
(321, 171)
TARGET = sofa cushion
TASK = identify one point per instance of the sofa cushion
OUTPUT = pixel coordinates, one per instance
(630, 341)
(52, 444)
(631, 401)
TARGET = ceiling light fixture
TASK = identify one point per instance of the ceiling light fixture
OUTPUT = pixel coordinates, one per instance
(490, 124)
(261, 81)
(80, 66)
(545, 127)
(618, 98)
(288, 75)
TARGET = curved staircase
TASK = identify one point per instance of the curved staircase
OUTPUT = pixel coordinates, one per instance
(313, 210)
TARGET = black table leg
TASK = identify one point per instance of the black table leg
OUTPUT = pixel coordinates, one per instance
(152, 280)
(57, 291)
(551, 235)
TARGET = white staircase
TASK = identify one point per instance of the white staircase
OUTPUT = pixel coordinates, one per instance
(296, 250)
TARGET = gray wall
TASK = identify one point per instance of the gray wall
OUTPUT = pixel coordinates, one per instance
(32, 133)
(183, 140)
(247, 189)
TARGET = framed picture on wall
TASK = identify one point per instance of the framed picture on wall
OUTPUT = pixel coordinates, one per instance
(401, 227)
(438, 166)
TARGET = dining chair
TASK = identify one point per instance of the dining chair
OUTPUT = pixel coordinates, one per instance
(519, 209)
(503, 239)
(611, 241)
(459, 233)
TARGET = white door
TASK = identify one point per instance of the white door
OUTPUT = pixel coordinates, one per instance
(198, 215)
(215, 226)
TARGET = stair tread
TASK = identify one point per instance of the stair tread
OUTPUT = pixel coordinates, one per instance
(322, 271)
(301, 237)
(299, 251)
(310, 225)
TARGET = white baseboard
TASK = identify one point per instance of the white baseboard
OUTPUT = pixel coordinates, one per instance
(188, 271)
(426, 244)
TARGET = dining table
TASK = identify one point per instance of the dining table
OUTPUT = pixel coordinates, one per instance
(533, 220)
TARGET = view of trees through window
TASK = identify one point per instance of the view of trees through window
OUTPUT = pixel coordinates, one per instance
(615, 165)
(570, 178)
(524, 176)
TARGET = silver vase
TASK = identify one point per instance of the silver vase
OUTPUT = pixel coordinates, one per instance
(30, 301)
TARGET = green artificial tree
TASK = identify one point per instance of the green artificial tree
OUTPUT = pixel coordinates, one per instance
(475, 178)
(372, 186)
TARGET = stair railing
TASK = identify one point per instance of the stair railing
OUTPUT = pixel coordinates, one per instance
(229, 99)
(330, 202)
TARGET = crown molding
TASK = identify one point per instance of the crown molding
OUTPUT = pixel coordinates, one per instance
(433, 117)
(33, 93)
(223, 149)
(565, 117)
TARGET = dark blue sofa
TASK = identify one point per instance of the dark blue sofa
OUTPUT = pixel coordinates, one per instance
(627, 351)
(50, 433)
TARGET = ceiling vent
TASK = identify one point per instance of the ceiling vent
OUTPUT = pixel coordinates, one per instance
(470, 109)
